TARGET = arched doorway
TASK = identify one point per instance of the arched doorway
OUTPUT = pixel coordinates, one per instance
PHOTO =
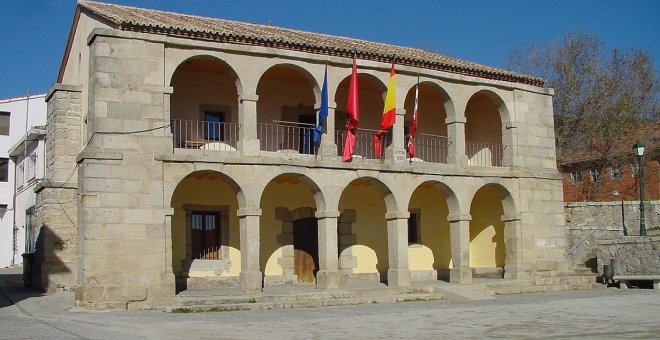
(205, 230)
(429, 242)
(371, 92)
(204, 105)
(363, 233)
(285, 110)
(306, 249)
(431, 142)
(483, 131)
(289, 230)
(487, 247)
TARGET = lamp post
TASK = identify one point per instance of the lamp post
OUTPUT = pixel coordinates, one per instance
(638, 149)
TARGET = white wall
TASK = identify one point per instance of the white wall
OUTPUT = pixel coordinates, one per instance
(36, 116)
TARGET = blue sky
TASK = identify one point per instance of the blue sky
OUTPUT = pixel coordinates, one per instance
(34, 32)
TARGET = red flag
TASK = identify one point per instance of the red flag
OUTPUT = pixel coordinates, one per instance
(353, 115)
(389, 112)
(413, 126)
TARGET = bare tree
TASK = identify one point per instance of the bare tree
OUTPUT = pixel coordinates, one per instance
(603, 99)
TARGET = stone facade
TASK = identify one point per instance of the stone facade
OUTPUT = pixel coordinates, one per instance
(633, 256)
(587, 223)
(147, 175)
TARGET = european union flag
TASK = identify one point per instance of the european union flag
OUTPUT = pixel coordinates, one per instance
(323, 110)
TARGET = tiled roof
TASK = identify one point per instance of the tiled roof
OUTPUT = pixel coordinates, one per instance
(211, 29)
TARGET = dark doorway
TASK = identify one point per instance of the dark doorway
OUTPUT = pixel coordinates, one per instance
(306, 249)
(307, 122)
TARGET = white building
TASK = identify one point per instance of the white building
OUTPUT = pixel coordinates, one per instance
(21, 167)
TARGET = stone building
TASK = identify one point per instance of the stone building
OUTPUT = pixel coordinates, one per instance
(180, 147)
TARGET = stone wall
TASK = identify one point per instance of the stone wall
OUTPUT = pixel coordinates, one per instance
(632, 256)
(122, 213)
(587, 222)
(57, 212)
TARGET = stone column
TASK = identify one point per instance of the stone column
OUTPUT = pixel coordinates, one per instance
(512, 245)
(459, 225)
(397, 248)
(250, 276)
(456, 134)
(328, 147)
(56, 263)
(396, 152)
(248, 142)
(328, 275)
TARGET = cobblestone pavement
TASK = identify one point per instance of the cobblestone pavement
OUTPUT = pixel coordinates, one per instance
(607, 313)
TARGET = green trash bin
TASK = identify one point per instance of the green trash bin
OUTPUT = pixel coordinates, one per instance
(28, 260)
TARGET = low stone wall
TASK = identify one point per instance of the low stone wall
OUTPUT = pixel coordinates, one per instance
(587, 222)
(633, 255)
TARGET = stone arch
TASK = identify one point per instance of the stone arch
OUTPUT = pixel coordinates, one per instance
(371, 93)
(189, 60)
(485, 113)
(488, 253)
(435, 105)
(286, 199)
(286, 111)
(363, 233)
(204, 228)
(293, 80)
(204, 104)
(430, 254)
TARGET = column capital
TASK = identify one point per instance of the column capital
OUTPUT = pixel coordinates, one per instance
(252, 97)
(326, 214)
(511, 217)
(459, 217)
(454, 120)
(243, 212)
(331, 105)
(396, 215)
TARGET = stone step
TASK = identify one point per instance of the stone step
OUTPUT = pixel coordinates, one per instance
(220, 304)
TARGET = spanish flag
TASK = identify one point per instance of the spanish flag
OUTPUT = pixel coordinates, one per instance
(389, 112)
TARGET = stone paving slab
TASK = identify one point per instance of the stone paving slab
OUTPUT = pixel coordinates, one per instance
(593, 314)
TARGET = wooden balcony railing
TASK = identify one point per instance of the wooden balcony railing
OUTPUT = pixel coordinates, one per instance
(485, 154)
(193, 134)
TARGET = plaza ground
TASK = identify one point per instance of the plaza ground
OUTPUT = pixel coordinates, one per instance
(611, 313)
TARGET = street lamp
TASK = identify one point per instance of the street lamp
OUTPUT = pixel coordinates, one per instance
(638, 149)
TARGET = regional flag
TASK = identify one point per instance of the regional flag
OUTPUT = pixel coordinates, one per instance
(389, 112)
(413, 126)
(323, 110)
(353, 115)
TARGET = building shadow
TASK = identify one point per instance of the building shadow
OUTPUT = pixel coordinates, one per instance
(46, 269)
(12, 288)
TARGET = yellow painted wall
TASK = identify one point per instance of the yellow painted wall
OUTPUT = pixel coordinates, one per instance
(431, 116)
(486, 229)
(370, 227)
(194, 88)
(290, 195)
(483, 123)
(435, 250)
(208, 192)
(273, 94)
(371, 102)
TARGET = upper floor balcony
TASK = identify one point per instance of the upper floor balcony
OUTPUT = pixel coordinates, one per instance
(279, 118)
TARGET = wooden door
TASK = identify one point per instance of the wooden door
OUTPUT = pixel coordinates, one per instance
(306, 249)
